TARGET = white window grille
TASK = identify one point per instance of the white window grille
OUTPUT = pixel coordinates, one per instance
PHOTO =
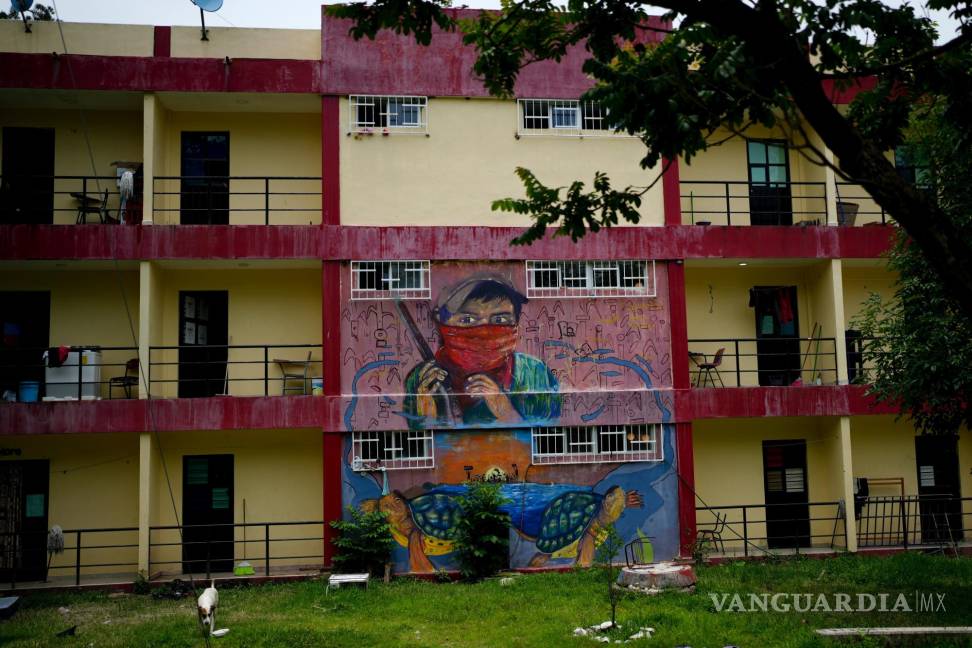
(392, 450)
(378, 113)
(390, 279)
(597, 444)
(590, 279)
(563, 117)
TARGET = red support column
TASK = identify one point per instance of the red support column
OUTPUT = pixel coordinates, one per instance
(680, 366)
(332, 442)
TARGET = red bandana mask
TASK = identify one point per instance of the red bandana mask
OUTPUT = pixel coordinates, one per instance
(484, 349)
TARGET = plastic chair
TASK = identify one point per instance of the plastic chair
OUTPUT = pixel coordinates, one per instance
(86, 206)
(847, 213)
(714, 535)
(127, 381)
(706, 369)
(288, 374)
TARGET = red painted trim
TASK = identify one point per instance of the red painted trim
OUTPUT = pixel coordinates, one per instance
(333, 505)
(162, 45)
(755, 402)
(331, 161)
(158, 74)
(176, 414)
(335, 242)
(686, 488)
(678, 321)
(332, 442)
(671, 193)
(396, 64)
(844, 92)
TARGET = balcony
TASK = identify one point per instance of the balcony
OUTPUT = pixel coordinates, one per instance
(237, 200)
(201, 371)
(195, 200)
(774, 362)
(738, 202)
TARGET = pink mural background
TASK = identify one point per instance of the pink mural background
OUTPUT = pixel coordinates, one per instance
(610, 355)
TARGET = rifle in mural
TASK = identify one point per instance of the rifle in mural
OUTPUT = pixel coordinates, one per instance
(451, 409)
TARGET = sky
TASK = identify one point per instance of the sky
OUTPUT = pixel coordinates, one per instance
(296, 14)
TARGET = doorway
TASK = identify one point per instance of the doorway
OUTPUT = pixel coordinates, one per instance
(207, 499)
(25, 321)
(770, 201)
(777, 334)
(939, 489)
(23, 520)
(785, 488)
(205, 178)
(203, 336)
(27, 187)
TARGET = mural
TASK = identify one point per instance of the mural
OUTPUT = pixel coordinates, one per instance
(556, 511)
(483, 355)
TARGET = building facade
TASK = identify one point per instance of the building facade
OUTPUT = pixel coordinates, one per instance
(251, 281)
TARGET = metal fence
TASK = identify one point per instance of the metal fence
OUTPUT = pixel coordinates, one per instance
(59, 199)
(111, 554)
(754, 529)
(89, 372)
(237, 370)
(737, 202)
(261, 543)
(87, 552)
(237, 200)
(856, 207)
(912, 520)
(746, 362)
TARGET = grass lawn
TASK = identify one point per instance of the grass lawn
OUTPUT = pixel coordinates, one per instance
(537, 610)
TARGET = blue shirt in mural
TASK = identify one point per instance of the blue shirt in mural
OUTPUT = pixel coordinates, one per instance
(533, 393)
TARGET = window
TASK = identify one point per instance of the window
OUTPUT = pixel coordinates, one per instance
(590, 278)
(369, 113)
(597, 444)
(912, 167)
(392, 450)
(563, 117)
(387, 279)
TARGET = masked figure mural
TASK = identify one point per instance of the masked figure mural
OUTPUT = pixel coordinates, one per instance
(477, 377)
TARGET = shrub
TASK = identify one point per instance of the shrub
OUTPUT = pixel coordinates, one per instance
(611, 544)
(482, 532)
(364, 542)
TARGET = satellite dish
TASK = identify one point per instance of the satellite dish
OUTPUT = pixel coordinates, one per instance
(205, 5)
(24, 5)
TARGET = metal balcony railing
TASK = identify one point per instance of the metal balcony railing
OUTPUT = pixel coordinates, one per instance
(912, 520)
(753, 529)
(89, 372)
(237, 200)
(732, 202)
(856, 207)
(233, 369)
(111, 554)
(66, 199)
(747, 362)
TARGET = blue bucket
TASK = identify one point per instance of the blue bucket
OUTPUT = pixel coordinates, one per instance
(29, 391)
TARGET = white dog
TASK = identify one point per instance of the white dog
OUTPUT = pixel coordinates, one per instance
(207, 603)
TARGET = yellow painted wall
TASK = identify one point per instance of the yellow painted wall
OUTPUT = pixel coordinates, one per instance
(87, 309)
(93, 484)
(265, 307)
(81, 38)
(730, 452)
(261, 144)
(728, 162)
(723, 312)
(114, 136)
(278, 472)
(860, 282)
(452, 176)
(236, 42)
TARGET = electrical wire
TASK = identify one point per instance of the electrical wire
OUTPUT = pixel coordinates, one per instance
(153, 428)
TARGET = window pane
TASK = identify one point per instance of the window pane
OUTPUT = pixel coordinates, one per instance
(778, 174)
(757, 175)
(757, 153)
(777, 154)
